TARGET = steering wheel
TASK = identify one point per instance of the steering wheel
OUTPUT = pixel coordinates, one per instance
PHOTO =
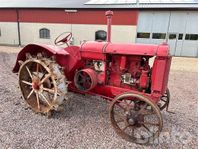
(63, 38)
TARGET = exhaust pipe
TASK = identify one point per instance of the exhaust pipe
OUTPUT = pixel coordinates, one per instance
(109, 15)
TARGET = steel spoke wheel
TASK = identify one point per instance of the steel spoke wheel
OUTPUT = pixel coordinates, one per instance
(136, 118)
(42, 84)
(164, 100)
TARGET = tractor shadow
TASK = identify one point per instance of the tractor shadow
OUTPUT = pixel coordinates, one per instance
(83, 107)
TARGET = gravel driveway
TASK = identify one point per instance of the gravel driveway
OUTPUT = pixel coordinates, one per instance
(85, 123)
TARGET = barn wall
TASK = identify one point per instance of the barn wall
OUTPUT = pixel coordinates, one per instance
(121, 17)
(30, 32)
(82, 24)
(8, 33)
(8, 15)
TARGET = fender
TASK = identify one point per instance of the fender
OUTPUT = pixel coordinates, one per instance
(33, 49)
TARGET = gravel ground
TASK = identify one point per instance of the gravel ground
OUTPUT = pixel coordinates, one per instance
(85, 123)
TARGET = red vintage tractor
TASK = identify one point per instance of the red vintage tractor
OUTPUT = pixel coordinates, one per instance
(120, 73)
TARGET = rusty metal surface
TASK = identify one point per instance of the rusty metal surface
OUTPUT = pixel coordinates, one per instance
(42, 83)
(135, 118)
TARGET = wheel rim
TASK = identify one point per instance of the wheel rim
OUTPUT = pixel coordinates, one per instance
(135, 118)
(39, 85)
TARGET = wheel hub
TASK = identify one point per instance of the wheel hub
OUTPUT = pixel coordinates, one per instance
(36, 83)
(135, 119)
(35, 86)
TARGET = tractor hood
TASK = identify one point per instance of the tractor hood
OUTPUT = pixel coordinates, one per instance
(127, 49)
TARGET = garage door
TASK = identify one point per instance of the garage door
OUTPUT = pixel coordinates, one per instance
(177, 28)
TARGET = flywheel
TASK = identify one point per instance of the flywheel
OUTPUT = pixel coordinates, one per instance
(42, 83)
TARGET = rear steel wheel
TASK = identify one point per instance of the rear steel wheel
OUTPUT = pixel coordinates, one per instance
(42, 83)
(136, 118)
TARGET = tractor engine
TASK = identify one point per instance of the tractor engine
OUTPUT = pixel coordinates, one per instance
(131, 72)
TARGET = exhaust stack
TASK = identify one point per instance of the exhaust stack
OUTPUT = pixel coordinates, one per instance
(109, 15)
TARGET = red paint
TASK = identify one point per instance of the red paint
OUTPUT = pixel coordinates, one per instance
(8, 15)
(117, 63)
(121, 17)
(144, 79)
(109, 15)
(126, 67)
(126, 49)
(160, 73)
(90, 80)
(33, 48)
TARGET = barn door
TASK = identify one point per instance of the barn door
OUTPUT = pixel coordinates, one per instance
(172, 41)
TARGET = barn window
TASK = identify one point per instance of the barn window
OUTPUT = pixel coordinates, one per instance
(180, 37)
(143, 35)
(159, 36)
(191, 37)
(100, 35)
(172, 36)
(44, 33)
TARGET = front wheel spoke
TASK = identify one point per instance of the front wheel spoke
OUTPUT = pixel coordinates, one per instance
(133, 129)
(143, 108)
(30, 94)
(120, 120)
(123, 102)
(146, 113)
(27, 83)
(28, 70)
(150, 123)
(122, 107)
(123, 129)
(120, 115)
(127, 104)
(147, 128)
(44, 79)
(45, 99)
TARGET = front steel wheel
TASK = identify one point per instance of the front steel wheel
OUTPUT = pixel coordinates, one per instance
(136, 118)
(42, 83)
